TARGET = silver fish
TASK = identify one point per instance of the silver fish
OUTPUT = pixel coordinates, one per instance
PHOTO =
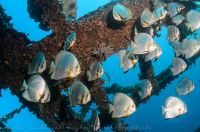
(127, 60)
(174, 107)
(148, 18)
(160, 13)
(121, 13)
(79, 94)
(178, 19)
(157, 3)
(71, 39)
(146, 88)
(178, 66)
(143, 44)
(66, 65)
(36, 90)
(95, 72)
(173, 33)
(174, 8)
(122, 106)
(38, 64)
(185, 86)
(188, 48)
(177, 48)
(69, 8)
(154, 54)
(193, 20)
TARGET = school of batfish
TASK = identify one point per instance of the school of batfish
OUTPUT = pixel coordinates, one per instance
(66, 65)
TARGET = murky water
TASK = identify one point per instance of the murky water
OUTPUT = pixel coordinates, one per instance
(148, 116)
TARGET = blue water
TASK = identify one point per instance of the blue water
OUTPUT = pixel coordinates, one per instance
(86, 6)
(148, 116)
(22, 121)
(21, 20)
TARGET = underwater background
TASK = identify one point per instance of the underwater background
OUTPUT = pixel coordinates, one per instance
(148, 116)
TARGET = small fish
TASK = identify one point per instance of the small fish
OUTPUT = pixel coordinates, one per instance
(160, 13)
(69, 8)
(188, 48)
(71, 39)
(95, 72)
(157, 3)
(174, 107)
(79, 94)
(177, 48)
(174, 8)
(146, 88)
(178, 66)
(148, 18)
(185, 86)
(154, 54)
(121, 13)
(66, 65)
(95, 122)
(178, 19)
(144, 44)
(193, 20)
(127, 60)
(173, 34)
(122, 106)
(36, 90)
(38, 64)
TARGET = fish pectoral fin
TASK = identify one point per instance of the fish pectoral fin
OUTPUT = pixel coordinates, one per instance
(41, 97)
(68, 72)
(127, 111)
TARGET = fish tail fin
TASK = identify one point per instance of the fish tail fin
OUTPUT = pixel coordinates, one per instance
(52, 69)
(110, 108)
(140, 94)
(89, 76)
(164, 110)
(24, 85)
